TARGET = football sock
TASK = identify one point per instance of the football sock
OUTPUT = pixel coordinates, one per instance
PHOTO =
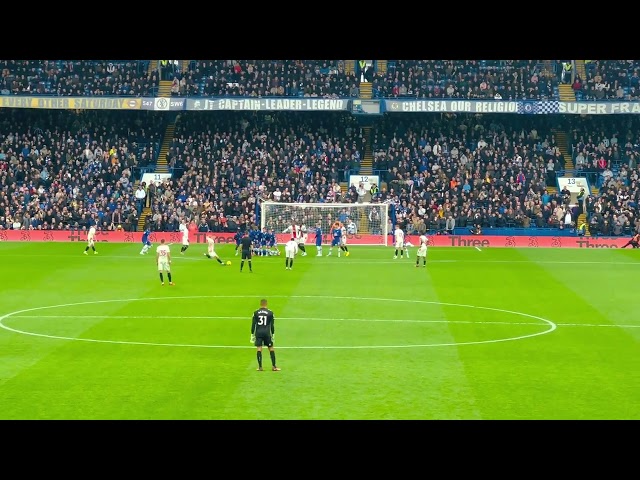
(273, 357)
(250, 269)
(259, 355)
(161, 278)
(291, 263)
(241, 264)
(169, 275)
(219, 261)
(86, 248)
(301, 247)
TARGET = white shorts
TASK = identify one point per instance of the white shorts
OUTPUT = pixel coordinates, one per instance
(289, 253)
(164, 267)
(212, 252)
(422, 251)
(399, 244)
(90, 242)
(185, 241)
(343, 240)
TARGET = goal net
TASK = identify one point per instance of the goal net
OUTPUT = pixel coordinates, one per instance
(366, 223)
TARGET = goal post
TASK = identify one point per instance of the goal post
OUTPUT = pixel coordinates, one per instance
(366, 223)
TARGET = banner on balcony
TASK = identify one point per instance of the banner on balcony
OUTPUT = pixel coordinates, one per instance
(70, 103)
(266, 104)
(519, 107)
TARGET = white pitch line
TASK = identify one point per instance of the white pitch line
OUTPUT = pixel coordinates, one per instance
(552, 326)
(318, 319)
(478, 248)
(348, 261)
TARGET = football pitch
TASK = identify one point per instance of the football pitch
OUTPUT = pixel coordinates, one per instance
(477, 334)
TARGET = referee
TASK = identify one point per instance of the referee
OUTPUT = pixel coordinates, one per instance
(245, 245)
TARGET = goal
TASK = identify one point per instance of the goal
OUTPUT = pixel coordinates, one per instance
(367, 223)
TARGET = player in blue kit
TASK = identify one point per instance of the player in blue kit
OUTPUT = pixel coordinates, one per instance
(272, 242)
(255, 235)
(264, 240)
(237, 237)
(336, 238)
(146, 243)
(319, 239)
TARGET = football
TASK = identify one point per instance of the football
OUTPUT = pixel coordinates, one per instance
(228, 262)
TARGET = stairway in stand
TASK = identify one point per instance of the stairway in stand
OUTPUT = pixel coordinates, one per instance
(164, 90)
(381, 67)
(184, 65)
(565, 148)
(366, 90)
(153, 65)
(566, 93)
(366, 168)
(146, 211)
(363, 225)
(582, 218)
(162, 165)
(349, 67)
(366, 164)
(581, 70)
(344, 187)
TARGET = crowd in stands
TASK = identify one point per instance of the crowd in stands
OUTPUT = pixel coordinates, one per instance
(483, 172)
(78, 77)
(223, 164)
(473, 79)
(60, 169)
(609, 80)
(264, 78)
(606, 151)
(65, 169)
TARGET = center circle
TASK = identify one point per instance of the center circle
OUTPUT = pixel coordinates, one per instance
(544, 322)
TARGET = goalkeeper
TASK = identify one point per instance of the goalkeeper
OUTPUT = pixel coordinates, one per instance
(263, 333)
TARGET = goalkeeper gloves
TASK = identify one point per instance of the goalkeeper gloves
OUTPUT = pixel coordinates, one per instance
(253, 338)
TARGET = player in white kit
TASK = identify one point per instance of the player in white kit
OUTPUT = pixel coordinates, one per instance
(185, 237)
(422, 251)
(290, 250)
(398, 235)
(91, 239)
(211, 250)
(163, 259)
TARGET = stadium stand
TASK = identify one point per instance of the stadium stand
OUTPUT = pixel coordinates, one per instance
(474, 79)
(78, 77)
(64, 169)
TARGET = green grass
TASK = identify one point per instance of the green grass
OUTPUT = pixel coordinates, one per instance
(362, 337)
